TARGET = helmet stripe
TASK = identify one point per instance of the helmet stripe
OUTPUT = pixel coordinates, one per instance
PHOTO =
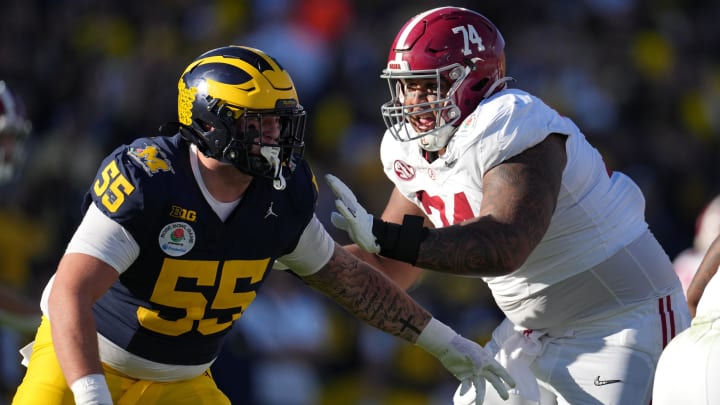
(408, 29)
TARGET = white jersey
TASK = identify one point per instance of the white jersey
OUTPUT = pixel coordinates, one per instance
(598, 213)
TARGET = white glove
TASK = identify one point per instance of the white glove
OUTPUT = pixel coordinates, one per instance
(466, 360)
(91, 389)
(351, 216)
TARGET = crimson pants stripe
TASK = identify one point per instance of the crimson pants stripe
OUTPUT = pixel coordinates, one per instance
(667, 318)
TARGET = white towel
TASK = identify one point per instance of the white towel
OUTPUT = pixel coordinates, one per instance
(516, 354)
(26, 352)
(517, 348)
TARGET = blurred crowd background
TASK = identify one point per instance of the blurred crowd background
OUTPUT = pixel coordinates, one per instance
(640, 78)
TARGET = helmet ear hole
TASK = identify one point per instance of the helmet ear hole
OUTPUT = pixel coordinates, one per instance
(206, 126)
(480, 84)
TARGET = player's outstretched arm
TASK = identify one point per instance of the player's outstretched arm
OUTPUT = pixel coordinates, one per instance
(371, 296)
(706, 271)
(519, 198)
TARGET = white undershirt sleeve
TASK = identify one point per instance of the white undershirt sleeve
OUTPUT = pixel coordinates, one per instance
(312, 252)
(105, 239)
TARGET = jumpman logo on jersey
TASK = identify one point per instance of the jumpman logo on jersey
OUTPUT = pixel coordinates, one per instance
(270, 211)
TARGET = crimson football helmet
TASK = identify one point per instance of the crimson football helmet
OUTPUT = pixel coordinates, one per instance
(224, 93)
(14, 130)
(462, 51)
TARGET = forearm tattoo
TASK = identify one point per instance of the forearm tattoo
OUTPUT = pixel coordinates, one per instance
(519, 198)
(485, 248)
(370, 295)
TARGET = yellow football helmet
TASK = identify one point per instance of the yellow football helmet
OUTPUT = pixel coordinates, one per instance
(224, 90)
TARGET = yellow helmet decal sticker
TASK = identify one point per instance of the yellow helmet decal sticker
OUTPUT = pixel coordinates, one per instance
(186, 97)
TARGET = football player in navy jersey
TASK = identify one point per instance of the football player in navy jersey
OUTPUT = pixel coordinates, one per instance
(179, 233)
(491, 182)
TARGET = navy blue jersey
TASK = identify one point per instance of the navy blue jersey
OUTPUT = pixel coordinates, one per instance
(195, 274)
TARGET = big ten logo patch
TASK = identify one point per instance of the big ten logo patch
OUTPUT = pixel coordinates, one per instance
(183, 213)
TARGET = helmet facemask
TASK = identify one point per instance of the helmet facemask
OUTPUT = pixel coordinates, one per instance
(249, 151)
(453, 44)
(398, 116)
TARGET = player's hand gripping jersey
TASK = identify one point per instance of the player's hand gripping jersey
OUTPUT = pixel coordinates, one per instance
(203, 271)
(598, 212)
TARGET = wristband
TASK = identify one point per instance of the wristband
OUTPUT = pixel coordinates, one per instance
(400, 242)
(436, 338)
(91, 389)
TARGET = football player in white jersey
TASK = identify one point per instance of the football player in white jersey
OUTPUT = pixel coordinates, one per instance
(491, 182)
(689, 365)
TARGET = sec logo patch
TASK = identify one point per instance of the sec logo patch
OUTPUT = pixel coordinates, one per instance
(403, 170)
(176, 239)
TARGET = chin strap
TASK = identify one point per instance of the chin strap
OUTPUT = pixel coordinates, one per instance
(272, 155)
(498, 83)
